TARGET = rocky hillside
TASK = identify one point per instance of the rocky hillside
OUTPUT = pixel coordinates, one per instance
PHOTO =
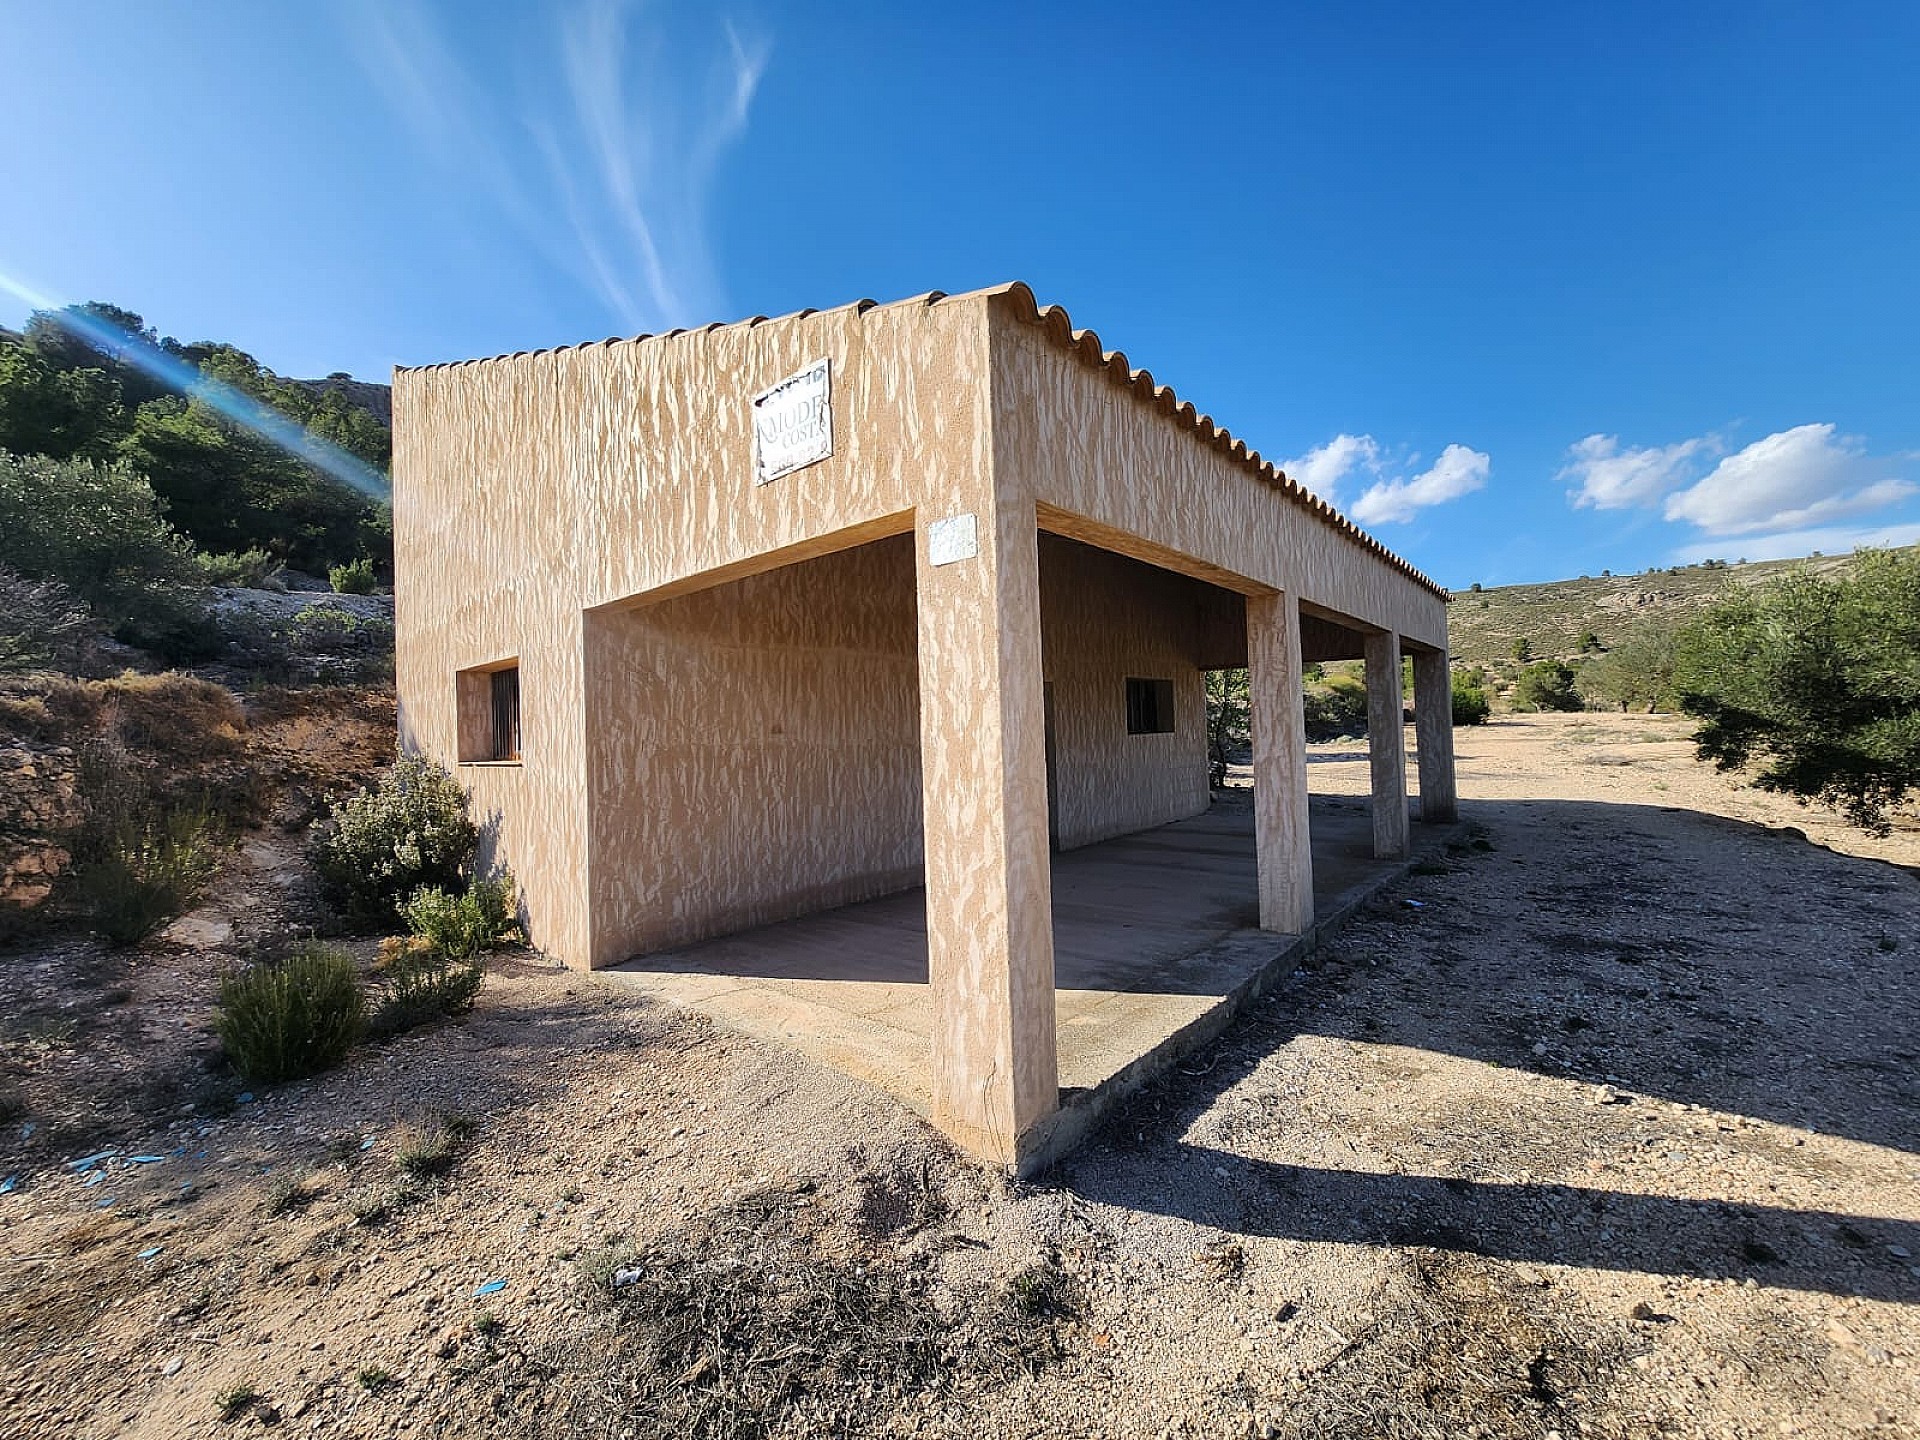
(1553, 617)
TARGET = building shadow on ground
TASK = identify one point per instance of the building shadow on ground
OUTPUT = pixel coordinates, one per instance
(1663, 952)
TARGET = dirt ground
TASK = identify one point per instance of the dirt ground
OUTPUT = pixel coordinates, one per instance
(1606, 1126)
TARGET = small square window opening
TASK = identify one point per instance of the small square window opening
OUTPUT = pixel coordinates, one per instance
(488, 699)
(1149, 707)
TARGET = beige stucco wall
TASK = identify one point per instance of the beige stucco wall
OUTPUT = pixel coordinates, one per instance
(758, 752)
(1108, 462)
(759, 756)
(592, 513)
(1104, 618)
(532, 488)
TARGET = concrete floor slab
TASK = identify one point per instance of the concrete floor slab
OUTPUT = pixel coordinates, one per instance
(1155, 945)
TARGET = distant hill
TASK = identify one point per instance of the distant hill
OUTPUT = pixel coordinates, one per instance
(1552, 618)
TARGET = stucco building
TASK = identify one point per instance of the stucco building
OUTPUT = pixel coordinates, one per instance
(735, 624)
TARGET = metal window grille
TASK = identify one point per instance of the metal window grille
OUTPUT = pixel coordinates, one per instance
(506, 714)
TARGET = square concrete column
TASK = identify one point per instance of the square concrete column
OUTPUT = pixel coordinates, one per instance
(1282, 839)
(1433, 735)
(984, 779)
(1386, 746)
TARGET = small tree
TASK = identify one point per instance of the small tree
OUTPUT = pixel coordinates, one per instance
(1229, 716)
(1636, 674)
(1816, 680)
(1547, 685)
(98, 530)
(1522, 649)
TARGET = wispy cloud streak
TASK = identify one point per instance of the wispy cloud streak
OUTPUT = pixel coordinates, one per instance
(633, 111)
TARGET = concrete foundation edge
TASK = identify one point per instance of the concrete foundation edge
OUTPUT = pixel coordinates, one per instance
(1057, 1136)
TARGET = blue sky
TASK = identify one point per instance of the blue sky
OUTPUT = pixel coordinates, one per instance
(1531, 290)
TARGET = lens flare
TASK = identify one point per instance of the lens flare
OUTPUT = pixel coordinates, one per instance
(236, 405)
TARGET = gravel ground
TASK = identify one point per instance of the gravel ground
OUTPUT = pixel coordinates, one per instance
(1607, 1126)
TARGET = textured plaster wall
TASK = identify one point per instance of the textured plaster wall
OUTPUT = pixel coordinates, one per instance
(1104, 464)
(531, 488)
(1103, 618)
(483, 521)
(758, 755)
(544, 503)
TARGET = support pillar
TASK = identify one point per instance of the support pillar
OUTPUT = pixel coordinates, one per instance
(1283, 843)
(984, 789)
(1386, 746)
(1433, 735)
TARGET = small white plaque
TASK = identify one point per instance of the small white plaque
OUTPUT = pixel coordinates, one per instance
(955, 538)
(793, 423)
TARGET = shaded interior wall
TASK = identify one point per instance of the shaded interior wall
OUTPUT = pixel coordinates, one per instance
(529, 489)
(754, 750)
(1103, 618)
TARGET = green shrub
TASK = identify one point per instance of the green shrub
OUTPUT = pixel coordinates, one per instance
(99, 530)
(421, 984)
(1814, 682)
(245, 569)
(461, 926)
(1470, 704)
(1340, 709)
(152, 869)
(353, 578)
(1546, 685)
(291, 1018)
(408, 830)
(322, 643)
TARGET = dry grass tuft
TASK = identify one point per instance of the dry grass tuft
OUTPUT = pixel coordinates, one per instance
(1448, 1355)
(741, 1327)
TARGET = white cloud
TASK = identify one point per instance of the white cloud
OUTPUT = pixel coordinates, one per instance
(1790, 545)
(1322, 468)
(1459, 471)
(1791, 480)
(629, 157)
(1611, 478)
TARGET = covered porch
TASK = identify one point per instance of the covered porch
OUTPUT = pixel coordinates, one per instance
(1156, 943)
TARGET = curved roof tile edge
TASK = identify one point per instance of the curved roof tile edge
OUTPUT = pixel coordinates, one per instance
(1057, 327)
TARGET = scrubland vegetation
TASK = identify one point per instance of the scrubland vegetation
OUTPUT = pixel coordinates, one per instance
(121, 503)
(237, 927)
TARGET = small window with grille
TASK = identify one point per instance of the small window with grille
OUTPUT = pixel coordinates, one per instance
(505, 694)
(489, 713)
(1149, 707)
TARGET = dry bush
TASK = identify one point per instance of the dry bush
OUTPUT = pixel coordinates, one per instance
(426, 1145)
(1451, 1355)
(176, 715)
(740, 1325)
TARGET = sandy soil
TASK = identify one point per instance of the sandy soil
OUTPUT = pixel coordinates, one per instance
(1607, 1126)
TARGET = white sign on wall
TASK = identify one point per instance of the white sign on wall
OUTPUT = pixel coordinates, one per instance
(793, 423)
(955, 538)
